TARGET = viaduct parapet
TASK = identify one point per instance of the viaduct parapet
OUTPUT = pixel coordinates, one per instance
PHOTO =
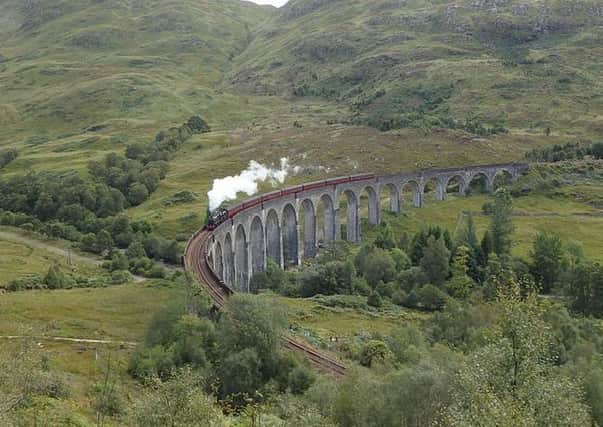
(290, 224)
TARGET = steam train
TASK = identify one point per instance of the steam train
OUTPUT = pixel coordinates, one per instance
(221, 215)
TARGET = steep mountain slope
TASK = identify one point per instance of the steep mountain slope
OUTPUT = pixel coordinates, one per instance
(70, 64)
(525, 65)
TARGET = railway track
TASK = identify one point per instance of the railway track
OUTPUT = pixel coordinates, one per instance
(195, 260)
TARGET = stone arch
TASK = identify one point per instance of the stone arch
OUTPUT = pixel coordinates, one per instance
(308, 228)
(456, 183)
(435, 186)
(273, 238)
(415, 190)
(479, 182)
(228, 261)
(352, 217)
(241, 257)
(290, 240)
(218, 261)
(389, 193)
(257, 245)
(372, 204)
(326, 222)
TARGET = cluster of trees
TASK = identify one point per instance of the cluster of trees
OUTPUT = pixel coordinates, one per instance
(515, 360)
(166, 142)
(568, 151)
(237, 354)
(420, 120)
(425, 270)
(417, 272)
(137, 174)
(135, 181)
(7, 156)
(65, 205)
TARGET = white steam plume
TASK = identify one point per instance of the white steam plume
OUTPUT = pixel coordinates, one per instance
(247, 181)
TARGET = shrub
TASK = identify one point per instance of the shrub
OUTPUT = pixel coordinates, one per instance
(374, 300)
(431, 298)
(120, 277)
(300, 379)
(374, 351)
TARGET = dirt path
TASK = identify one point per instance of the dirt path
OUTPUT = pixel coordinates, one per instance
(74, 340)
(16, 237)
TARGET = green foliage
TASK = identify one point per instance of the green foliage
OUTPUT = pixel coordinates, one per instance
(596, 150)
(7, 156)
(520, 383)
(585, 289)
(430, 297)
(56, 279)
(385, 237)
(501, 226)
(421, 238)
(558, 153)
(435, 261)
(375, 264)
(333, 277)
(374, 351)
(374, 299)
(547, 260)
(459, 286)
(176, 402)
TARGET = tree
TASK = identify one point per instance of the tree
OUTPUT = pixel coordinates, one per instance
(459, 286)
(119, 261)
(385, 237)
(596, 150)
(374, 299)
(136, 250)
(197, 124)
(547, 259)
(104, 242)
(176, 402)
(137, 193)
(373, 351)
(467, 235)
(55, 278)
(586, 289)
(435, 261)
(512, 381)
(400, 258)
(501, 226)
(375, 264)
(250, 333)
(45, 207)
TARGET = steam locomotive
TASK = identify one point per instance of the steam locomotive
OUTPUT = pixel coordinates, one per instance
(221, 215)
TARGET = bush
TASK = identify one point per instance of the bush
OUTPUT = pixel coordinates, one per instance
(300, 379)
(431, 298)
(30, 282)
(374, 300)
(156, 272)
(596, 150)
(119, 277)
(374, 351)
(7, 156)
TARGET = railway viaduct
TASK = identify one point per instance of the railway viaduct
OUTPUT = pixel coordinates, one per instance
(289, 228)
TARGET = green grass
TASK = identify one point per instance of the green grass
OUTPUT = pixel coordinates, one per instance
(23, 253)
(119, 313)
(574, 221)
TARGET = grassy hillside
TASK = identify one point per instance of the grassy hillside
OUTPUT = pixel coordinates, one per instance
(522, 64)
(115, 66)
(312, 81)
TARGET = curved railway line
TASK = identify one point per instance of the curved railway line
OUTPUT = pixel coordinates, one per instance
(195, 261)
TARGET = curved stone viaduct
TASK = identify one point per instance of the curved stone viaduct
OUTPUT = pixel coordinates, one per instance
(291, 227)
